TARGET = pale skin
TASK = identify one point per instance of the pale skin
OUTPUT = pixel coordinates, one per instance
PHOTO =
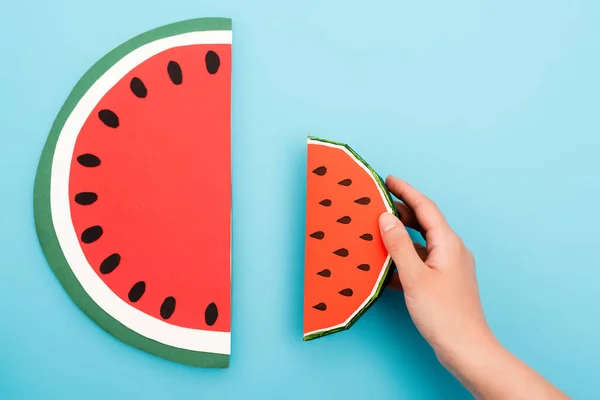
(442, 297)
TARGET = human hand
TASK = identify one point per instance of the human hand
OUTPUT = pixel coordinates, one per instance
(442, 297)
(438, 280)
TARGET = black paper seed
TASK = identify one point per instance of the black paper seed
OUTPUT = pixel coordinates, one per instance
(138, 88)
(363, 200)
(175, 74)
(321, 307)
(213, 62)
(364, 267)
(167, 308)
(88, 160)
(346, 292)
(86, 198)
(110, 263)
(109, 118)
(317, 235)
(326, 273)
(91, 234)
(367, 236)
(325, 202)
(345, 182)
(320, 171)
(211, 314)
(344, 220)
(341, 252)
(137, 291)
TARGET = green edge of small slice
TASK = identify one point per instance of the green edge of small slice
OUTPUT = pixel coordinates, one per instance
(389, 267)
(43, 217)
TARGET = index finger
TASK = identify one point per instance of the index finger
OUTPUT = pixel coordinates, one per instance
(428, 214)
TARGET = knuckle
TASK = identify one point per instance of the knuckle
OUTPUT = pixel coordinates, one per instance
(426, 205)
(429, 203)
(452, 237)
(395, 242)
(470, 254)
(471, 257)
(394, 246)
(455, 241)
(459, 241)
(420, 204)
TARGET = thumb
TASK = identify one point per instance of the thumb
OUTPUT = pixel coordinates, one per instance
(398, 243)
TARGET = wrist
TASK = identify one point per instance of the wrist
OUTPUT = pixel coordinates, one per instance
(489, 371)
(472, 351)
(478, 364)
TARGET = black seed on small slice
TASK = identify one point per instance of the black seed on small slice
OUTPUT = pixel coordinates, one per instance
(213, 62)
(91, 234)
(346, 292)
(363, 200)
(317, 235)
(168, 307)
(344, 220)
(367, 236)
(109, 118)
(88, 160)
(174, 71)
(345, 182)
(320, 171)
(326, 273)
(341, 252)
(325, 202)
(364, 267)
(211, 314)
(86, 198)
(138, 88)
(110, 263)
(137, 291)
(320, 307)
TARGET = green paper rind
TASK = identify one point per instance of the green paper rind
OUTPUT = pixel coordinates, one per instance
(388, 268)
(43, 217)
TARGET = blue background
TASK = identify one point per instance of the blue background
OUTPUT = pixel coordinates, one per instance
(490, 108)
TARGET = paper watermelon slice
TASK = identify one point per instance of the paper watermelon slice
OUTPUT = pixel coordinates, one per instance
(133, 192)
(346, 263)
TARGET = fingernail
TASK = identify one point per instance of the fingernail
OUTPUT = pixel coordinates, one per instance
(387, 221)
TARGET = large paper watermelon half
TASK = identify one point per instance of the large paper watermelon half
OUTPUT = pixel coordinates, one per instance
(346, 263)
(133, 192)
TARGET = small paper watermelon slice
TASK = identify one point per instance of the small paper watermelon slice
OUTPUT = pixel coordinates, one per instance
(346, 263)
(132, 196)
